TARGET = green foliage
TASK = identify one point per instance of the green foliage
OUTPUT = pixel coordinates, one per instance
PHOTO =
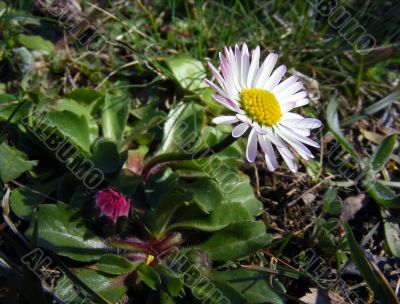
(236, 241)
(114, 116)
(62, 230)
(13, 163)
(392, 231)
(108, 288)
(383, 152)
(73, 126)
(23, 201)
(187, 72)
(371, 274)
(36, 43)
(182, 128)
(332, 120)
(142, 94)
(255, 286)
(115, 264)
(331, 204)
(382, 195)
(149, 276)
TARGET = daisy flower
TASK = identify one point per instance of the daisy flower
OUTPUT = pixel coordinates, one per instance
(262, 103)
(112, 204)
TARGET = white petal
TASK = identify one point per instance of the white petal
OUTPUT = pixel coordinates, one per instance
(289, 162)
(309, 123)
(258, 128)
(225, 102)
(293, 88)
(240, 129)
(292, 116)
(238, 58)
(284, 84)
(216, 88)
(285, 151)
(297, 145)
(295, 97)
(216, 74)
(275, 78)
(302, 139)
(244, 65)
(230, 88)
(225, 120)
(302, 132)
(302, 102)
(271, 136)
(265, 70)
(251, 150)
(277, 141)
(286, 107)
(269, 153)
(255, 58)
(233, 67)
(242, 118)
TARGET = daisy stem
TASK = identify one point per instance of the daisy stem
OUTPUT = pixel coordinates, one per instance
(181, 156)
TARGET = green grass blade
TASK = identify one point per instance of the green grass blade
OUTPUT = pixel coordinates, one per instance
(383, 152)
(333, 124)
(371, 274)
(372, 109)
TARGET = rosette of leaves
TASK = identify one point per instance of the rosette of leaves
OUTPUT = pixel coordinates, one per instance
(191, 222)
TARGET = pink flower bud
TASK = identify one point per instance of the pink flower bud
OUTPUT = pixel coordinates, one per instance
(112, 204)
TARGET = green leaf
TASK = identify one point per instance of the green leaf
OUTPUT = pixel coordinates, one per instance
(332, 120)
(62, 230)
(107, 286)
(217, 292)
(126, 182)
(371, 274)
(149, 276)
(170, 281)
(234, 185)
(24, 200)
(392, 231)
(115, 264)
(158, 219)
(372, 109)
(72, 126)
(253, 285)
(36, 43)
(382, 194)
(159, 184)
(114, 116)
(80, 109)
(330, 195)
(189, 73)
(218, 219)
(333, 208)
(13, 163)
(148, 118)
(182, 128)
(237, 188)
(331, 205)
(86, 96)
(106, 157)
(10, 105)
(206, 193)
(383, 152)
(236, 241)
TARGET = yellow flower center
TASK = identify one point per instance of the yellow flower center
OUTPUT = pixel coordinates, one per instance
(150, 258)
(261, 106)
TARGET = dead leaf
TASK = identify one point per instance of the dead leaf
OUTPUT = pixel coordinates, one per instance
(351, 206)
(317, 296)
(308, 198)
